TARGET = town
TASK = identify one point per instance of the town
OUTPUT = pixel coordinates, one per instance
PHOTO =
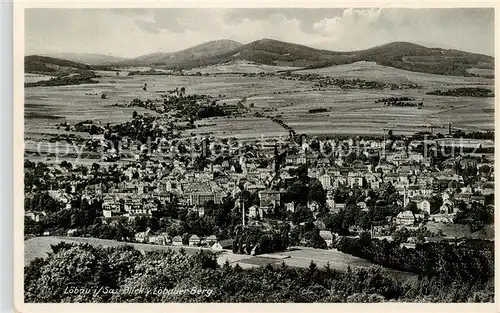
(308, 191)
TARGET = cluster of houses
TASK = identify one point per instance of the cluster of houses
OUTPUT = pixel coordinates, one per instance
(193, 240)
(410, 172)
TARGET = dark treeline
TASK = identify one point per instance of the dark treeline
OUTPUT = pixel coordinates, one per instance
(123, 268)
(319, 110)
(464, 92)
(399, 102)
(445, 261)
(255, 241)
(83, 77)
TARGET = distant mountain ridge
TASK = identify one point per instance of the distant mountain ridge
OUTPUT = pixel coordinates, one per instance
(87, 58)
(402, 55)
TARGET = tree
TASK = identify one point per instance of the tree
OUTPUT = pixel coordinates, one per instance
(316, 192)
(134, 114)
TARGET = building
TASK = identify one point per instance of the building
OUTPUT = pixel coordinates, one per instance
(194, 240)
(424, 206)
(269, 198)
(326, 181)
(355, 179)
(327, 237)
(177, 241)
(143, 236)
(217, 246)
(212, 239)
(199, 198)
(253, 211)
(405, 218)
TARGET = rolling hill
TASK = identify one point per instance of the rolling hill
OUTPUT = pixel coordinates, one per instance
(87, 58)
(36, 64)
(402, 55)
(412, 57)
(188, 57)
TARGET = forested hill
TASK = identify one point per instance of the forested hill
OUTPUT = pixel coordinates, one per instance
(52, 66)
(402, 55)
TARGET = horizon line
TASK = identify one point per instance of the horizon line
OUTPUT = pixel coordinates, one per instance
(226, 39)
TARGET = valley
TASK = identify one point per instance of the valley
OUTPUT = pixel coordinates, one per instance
(350, 111)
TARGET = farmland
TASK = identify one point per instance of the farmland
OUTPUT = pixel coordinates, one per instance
(351, 111)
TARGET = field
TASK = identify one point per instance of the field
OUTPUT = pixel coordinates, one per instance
(34, 78)
(298, 257)
(373, 71)
(347, 112)
(240, 67)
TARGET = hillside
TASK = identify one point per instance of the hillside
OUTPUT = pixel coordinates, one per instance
(412, 57)
(188, 58)
(264, 51)
(87, 58)
(402, 55)
(36, 64)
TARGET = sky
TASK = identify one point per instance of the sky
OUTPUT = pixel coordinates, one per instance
(134, 32)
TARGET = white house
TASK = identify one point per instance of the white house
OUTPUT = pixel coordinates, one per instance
(424, 206)
(327, 236)
(405, 218)
(217, 246)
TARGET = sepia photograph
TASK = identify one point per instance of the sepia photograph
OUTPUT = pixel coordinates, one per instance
(258, 155)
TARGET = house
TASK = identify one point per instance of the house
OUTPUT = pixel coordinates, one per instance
(290, 207)
(143, 236)
(217, 246)
(253, 211)
(424, 206)
(177, 241)
(355, 179)
(211, 239)
(163, 239)
(72, 232)
(326, 181)
(405, 218)
(194, 240)
(36, 216)
(199, 198)
(269, 198)
(478, 199)
(46, 233)
(447, 207)
(327, 237)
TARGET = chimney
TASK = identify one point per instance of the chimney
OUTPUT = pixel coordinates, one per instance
(449, 128)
